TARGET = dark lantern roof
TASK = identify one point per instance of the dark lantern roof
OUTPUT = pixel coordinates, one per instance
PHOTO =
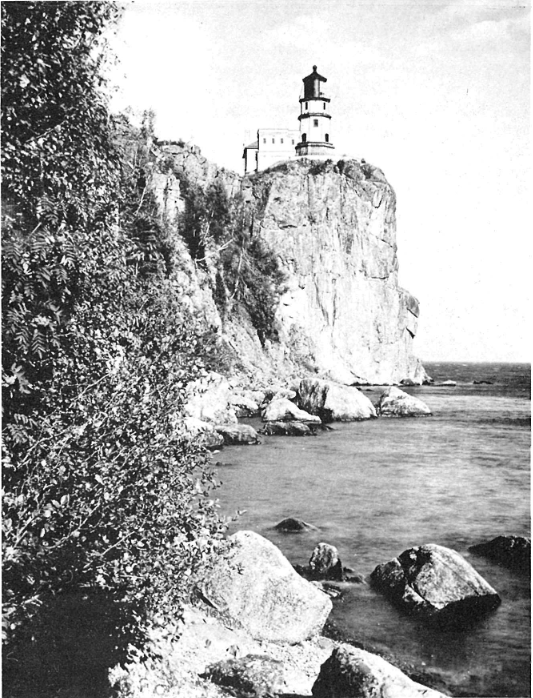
(315, 76)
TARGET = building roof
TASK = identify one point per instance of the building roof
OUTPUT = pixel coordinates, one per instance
(314, 75)
(255, 145)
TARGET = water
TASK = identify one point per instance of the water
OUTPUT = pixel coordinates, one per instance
(375, 488)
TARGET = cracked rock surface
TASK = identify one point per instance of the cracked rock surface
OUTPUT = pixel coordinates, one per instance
(434, 581)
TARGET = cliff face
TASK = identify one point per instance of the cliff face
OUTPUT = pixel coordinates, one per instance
(334, 229)
(341, 312)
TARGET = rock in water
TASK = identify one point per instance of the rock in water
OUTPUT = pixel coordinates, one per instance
(253, 675)
(292, 525)
(287, 429)
(334, 402)
(283, 410)
(353, 673)
(510, 551)
(395, 403)
(258, 589)
(434, 581)
(325, 562)
(238, 434)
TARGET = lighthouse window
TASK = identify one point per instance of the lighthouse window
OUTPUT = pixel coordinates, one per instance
(307, 105)
(327, 137)
(315, 122)
(273, 140)
(324, 105)
(304, 137)
(264, 140)
(293, 141)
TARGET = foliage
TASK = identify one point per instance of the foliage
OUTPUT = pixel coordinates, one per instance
(248, 273)
(102, 487)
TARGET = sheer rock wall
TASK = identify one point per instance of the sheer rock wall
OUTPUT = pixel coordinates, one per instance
(342, 314)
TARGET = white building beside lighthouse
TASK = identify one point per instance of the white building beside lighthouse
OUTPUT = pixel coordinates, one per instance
(312, 140)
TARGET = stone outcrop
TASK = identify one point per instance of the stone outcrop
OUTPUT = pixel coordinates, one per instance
(256, 587)
(287, 429)
(334, 402)
(325, 562)
(396, 403)
(203, 433)
(341, 314)
(253, 675)
(334, 229)
(209, 400)
(509, 551)
(283, 410)
(238, 434)
(434, 581)
(353, 673)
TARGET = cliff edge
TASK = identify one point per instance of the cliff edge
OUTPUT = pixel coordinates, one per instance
(340, 312)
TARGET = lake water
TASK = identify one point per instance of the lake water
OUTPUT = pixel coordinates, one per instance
(375, 488)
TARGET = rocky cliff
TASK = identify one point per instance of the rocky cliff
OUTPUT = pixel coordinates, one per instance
(341, 313)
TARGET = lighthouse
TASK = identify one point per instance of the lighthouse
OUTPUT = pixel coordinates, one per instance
(315, 119)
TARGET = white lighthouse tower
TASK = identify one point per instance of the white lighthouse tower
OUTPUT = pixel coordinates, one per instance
(315, 120)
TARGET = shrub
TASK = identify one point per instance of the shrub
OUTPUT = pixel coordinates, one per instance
(102, 487)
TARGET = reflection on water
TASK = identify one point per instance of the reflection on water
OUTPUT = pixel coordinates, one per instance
(375, 488)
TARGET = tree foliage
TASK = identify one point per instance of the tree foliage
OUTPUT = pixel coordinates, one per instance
(102, 487)
(248, 272)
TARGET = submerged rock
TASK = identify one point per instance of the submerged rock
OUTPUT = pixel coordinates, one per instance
(334, 402)
(396, 403)
(447, 384)
(254, 675)
(256, 587)
(283, 410)
(353, 673)
(292, 525)
(509, 551)
(238, 434)
(325, 562)
(287, 429)
(434, 581)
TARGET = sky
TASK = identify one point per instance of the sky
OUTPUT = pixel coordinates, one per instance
(436, 94)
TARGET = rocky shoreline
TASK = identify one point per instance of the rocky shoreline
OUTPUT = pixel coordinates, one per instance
(259, 625)
(259, 628)
(215, 405)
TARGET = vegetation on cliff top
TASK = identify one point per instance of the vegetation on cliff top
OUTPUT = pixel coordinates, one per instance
(102, 487)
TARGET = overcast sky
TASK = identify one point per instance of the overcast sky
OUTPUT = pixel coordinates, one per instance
(436, 94)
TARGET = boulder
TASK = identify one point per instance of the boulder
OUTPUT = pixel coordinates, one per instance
(203, 433)
(208, 399)
(334, 402)
(287, 429)
(254, 675)
(283, 410)
(353, 673)
(292, 525)
(275, 394)
(395, 403)
(238, 434)
(325, 562)
(434, 581)
(256, 588)
(509, 551)
(244, 406)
